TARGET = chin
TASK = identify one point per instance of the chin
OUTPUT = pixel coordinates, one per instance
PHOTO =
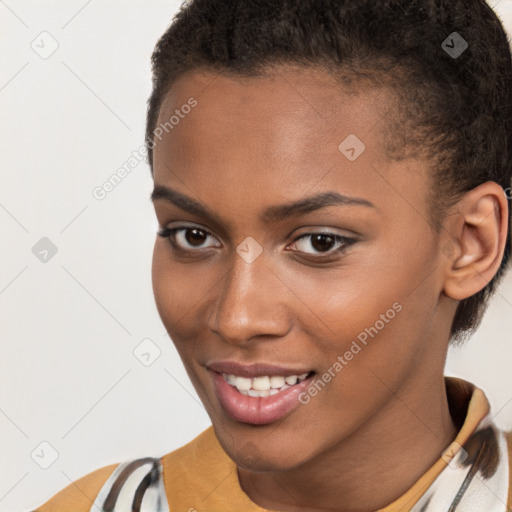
(263, 463)
(264, 456)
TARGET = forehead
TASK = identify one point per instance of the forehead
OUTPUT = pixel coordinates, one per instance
(282, 134)
(289, 111)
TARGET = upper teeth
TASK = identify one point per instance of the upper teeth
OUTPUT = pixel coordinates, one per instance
(264, 385)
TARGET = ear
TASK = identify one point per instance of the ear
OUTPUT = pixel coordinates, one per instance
(475, 235)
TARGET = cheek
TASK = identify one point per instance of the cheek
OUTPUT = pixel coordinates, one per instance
(175, 294)
(384, 302)
(377, 329)
(160, 279)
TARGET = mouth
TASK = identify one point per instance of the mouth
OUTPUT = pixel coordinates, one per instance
(261, 399)
(265, 385)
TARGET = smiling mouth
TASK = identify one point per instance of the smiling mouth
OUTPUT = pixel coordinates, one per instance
(260, 399)
(265, 385)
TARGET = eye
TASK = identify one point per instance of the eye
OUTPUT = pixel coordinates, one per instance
(194, 239)
(322, 243)
(187, 238)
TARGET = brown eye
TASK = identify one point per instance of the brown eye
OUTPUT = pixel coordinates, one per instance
(316, 244)
(322, 242)
(195, 236)
(188, 238)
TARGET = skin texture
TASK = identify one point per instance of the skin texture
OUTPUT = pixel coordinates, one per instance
(253, 143)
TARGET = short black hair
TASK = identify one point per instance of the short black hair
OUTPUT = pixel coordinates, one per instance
(453, 104)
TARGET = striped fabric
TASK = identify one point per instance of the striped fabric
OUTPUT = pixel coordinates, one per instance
(476, 478)
(134, 486)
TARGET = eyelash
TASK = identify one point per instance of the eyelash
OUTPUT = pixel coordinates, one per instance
(169, 234)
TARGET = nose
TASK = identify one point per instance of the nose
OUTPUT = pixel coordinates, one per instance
(250, 303)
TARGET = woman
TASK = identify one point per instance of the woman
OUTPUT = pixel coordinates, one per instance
(331, 188)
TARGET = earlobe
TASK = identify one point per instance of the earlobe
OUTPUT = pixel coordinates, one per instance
(476, 235)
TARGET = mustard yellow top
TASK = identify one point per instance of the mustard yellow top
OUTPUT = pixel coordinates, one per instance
(200, 476)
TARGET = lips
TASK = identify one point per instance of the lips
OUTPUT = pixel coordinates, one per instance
(263, 406)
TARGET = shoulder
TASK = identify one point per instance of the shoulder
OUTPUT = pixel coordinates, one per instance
(80, 494)
(132, 485)
(201, 468)
(143, 483)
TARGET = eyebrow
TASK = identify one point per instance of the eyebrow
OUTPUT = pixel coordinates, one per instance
(272, 213)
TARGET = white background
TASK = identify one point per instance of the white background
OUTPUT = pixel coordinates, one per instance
(69, 326)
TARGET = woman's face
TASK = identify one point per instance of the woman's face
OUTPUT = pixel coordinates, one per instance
(251, 283)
